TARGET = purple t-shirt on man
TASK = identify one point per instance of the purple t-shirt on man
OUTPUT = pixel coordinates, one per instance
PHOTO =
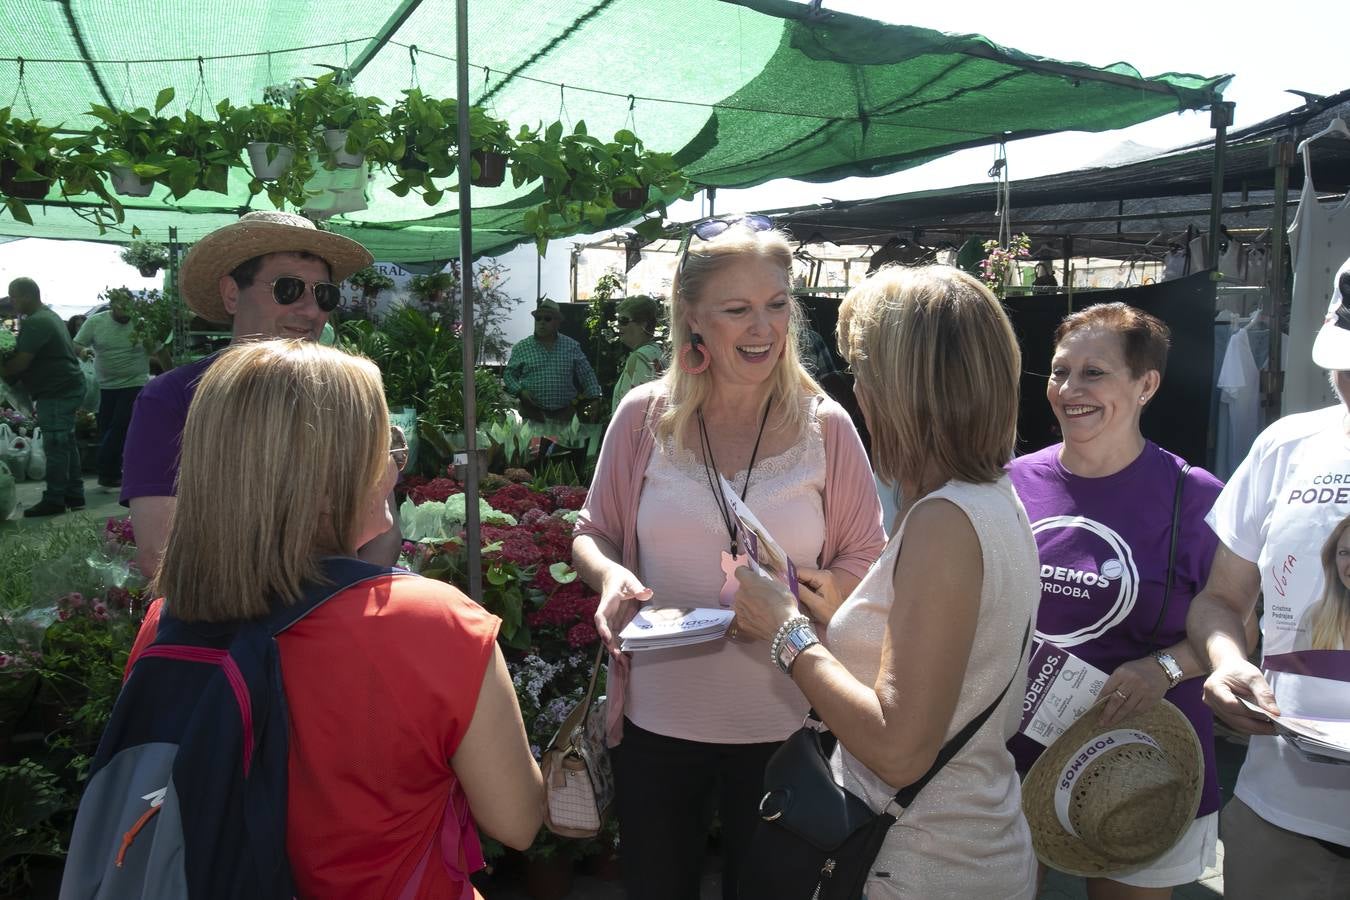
(150, 455)
(1103, 545)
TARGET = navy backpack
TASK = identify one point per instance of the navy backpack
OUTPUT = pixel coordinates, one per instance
(187, 792)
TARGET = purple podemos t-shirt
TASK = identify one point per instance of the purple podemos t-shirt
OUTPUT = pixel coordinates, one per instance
(150, 455)
(1103, 545)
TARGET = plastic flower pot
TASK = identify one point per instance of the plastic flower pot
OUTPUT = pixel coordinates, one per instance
(630, 198)
(336, 139)
(22, 190)
(265, 169)
(126, 182)
(147, 271)
(491, 168)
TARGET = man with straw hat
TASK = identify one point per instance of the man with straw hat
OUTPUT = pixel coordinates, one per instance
(1103, 801)
(1286, 832)
(269, 275)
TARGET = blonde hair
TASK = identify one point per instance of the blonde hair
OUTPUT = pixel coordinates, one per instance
(283, 443)
(1329, 617)
(939, 364)
(789, 382)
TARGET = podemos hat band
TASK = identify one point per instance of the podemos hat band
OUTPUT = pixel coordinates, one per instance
(1082, 760)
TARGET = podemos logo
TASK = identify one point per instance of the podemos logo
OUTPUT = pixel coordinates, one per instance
(1098, 578)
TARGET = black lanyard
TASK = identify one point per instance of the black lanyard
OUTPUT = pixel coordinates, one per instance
(727, 513)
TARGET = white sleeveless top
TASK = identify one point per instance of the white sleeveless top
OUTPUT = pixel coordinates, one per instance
(964, 836)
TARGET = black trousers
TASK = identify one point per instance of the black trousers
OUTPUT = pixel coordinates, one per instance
(667, 789)
(114, 417)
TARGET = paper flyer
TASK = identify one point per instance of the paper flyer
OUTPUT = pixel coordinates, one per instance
(766, 556)
(1320, 740)
(1060, 688)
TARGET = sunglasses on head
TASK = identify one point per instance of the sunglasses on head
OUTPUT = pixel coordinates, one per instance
(398, 447)
(288, 288)
(708, 229)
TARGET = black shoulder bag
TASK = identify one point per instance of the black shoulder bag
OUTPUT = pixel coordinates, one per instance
(1171, 548)
(815, 840)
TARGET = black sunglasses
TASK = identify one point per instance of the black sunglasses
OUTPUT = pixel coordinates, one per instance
(288, 288)
(707, 229)
(398, 447)
(622, 321)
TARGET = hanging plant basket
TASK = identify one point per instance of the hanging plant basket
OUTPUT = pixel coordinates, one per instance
(22, 190)
(336, 139)
(265, 169)
(147, 271)
(127, 183)
(491, 168)
(630, 198)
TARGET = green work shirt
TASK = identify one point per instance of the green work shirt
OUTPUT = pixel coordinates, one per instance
(119, 361)
(55, 369)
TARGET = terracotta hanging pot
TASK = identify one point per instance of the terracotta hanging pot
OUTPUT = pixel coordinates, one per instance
(630, 198)
(22, 190)
(491, 168)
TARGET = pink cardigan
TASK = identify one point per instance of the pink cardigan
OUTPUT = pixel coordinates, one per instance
(854, 536)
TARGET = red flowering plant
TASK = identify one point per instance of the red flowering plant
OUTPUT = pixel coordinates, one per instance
(547, 612)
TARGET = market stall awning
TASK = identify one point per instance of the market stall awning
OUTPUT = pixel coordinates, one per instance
(743, 92)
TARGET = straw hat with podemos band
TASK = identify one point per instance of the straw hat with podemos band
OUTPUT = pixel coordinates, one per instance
(1331, 350)
(1102, 801)
(258, 234)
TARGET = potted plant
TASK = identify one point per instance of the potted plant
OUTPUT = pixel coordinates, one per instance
(635, 171)
(371, 281)
(278, 150)
(28, 161)
(140, 147)
(431, 289)
(492, 146)
(350, 124)
(424, 145)
(147, 256)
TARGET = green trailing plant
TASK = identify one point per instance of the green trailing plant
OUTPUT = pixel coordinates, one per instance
(371, 281)
(424, 146)
(147, 256)
(432, 289)
(153, 315)
(33, 158)
(148, 145)
(276, 127)
(326, 103)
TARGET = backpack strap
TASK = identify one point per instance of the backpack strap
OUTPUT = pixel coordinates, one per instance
(339, 573)
(1172, 548)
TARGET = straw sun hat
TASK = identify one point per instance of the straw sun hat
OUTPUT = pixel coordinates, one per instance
(256, 234)
(1101, 801)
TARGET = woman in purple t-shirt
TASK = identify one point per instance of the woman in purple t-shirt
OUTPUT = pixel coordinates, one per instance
(1103, 506)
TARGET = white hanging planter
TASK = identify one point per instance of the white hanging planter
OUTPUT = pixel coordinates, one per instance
(336, 139)
(126, 182)
(265, 169)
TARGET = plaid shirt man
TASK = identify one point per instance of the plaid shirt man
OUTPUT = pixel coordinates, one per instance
(550, 375)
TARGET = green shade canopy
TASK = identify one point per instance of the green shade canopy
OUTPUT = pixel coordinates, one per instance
(742, 92)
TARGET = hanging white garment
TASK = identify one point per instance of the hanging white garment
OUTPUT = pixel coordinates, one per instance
(1174, 264)
(1319, 241)
(1240, 391)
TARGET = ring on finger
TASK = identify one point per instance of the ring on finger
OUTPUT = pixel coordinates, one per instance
(1121, 694)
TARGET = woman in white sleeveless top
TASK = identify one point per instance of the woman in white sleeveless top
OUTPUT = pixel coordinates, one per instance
(934, 632)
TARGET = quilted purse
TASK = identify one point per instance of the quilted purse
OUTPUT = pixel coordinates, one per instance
(578, 780)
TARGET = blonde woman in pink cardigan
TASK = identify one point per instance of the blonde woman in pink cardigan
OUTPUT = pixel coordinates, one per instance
(692, 728)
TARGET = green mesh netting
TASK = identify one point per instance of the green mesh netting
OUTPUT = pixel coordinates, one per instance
(743, 92)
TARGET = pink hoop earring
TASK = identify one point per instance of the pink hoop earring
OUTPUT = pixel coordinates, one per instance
(695, 343)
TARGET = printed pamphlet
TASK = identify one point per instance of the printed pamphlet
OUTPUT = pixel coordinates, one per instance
(1319, 740)
(674, 626)
(765, 555)
(1060, 688)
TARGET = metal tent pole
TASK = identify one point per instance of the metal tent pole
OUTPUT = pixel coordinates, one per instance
(1273, 378)
(1220, 117)
(472, 530)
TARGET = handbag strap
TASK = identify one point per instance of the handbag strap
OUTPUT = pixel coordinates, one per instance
(590, 687)
(1172, 548)
(905, 796)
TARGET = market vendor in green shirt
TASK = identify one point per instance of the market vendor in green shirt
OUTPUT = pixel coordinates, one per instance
(45, 363)
(546, 369)
(122, 366)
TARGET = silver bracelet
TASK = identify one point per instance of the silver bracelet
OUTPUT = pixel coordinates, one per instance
(794, 637)
(782, 631)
